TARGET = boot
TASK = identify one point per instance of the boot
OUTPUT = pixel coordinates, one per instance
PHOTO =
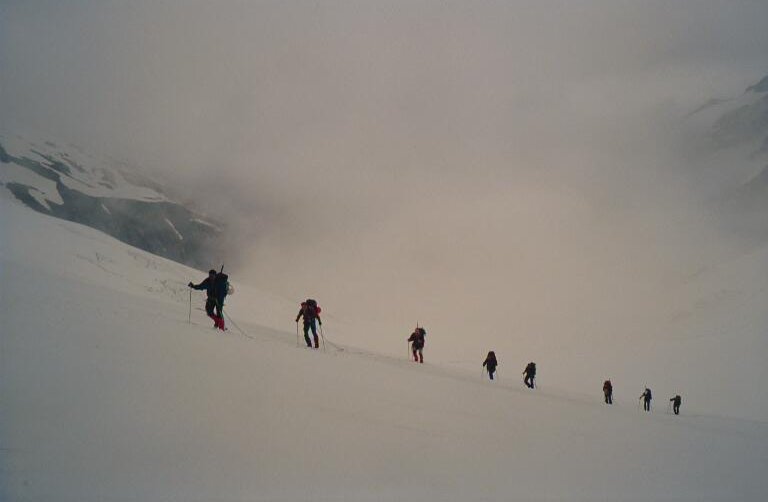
(317, 344)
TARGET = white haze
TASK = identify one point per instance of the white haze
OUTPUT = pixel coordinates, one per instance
(513, 175)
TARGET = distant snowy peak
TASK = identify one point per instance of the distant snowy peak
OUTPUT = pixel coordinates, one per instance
(739, 122)
(38, 161)
(761, 86)
(66, 182)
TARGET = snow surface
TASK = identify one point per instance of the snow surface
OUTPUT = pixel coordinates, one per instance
(108, 393)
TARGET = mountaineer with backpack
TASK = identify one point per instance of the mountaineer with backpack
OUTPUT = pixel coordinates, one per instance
(490, 364)
(676, 401)
(530, 375)
(417, 344)
(310, 311)
(216, 286)
(608, 392)
(646, 397)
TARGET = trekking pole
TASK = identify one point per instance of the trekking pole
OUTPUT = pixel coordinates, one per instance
(189, 320)
(322, 336)
(297, 334)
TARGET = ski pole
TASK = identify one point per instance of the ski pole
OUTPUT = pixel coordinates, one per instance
(238, 328)
(297, 334)
(189, 320)
(322, 336)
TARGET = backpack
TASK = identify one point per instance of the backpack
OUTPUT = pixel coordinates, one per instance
(422, 332)
(221, 285)
(311, 308)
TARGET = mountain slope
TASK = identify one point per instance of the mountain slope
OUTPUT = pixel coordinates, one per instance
(64, 181)
(109, 394)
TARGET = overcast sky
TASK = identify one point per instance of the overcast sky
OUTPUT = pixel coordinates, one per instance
(512, 168)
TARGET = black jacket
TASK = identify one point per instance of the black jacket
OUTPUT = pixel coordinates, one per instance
(490, 362)
(215, 288)
(208, 286)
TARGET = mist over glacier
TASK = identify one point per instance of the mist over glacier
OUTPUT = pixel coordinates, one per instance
(516, 177)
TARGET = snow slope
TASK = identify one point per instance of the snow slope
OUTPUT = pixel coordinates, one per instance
(109, 394)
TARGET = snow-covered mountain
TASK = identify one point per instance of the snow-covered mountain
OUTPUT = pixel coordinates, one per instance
(109, 393)
(731, 152)
(738, 122)
(67, 182)
(736, 133)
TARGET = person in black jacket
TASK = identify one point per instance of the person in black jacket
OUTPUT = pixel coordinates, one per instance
(676, 401)
(490, 364)
(608, 392)
(417, 344)
(216, 289)
(310, 311)
(530, 375)
(646, 397)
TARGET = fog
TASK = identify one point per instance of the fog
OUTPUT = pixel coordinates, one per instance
(512, 175)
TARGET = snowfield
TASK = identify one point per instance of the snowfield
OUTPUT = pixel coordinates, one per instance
(107, 393)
